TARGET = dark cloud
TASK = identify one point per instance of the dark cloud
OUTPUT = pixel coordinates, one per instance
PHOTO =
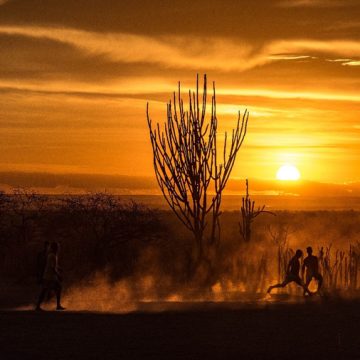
(78, 181)
(57, 183)
(256, 20)
(318, 3)
(44, 59)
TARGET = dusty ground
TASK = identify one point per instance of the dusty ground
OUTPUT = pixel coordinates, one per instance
(314, 330)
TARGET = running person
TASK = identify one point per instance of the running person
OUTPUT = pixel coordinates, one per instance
(311, 264)
(292, 274)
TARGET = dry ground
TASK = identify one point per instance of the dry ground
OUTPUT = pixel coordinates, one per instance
(315, 330)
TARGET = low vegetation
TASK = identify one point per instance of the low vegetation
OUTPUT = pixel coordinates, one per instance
(99, 233)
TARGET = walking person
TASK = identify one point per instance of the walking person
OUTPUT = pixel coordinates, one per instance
(292, 274)
(51, 280)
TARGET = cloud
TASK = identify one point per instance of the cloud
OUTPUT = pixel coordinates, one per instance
(183, 52)
(316, 3)
(134, 85)
(177, 52)
(54, 183)
(341, 25)
(180, 52)
(338, 60)
(339, 47)
(290, 57)
(77, 182)
(345, 62)
(352, 63)
(290, 95)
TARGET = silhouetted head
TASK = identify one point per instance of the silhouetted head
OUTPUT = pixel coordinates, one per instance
(54, 247)
(309, 250)
(46, 245)
(298, 253)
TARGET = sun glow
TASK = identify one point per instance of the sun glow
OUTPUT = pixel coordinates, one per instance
(288, 172)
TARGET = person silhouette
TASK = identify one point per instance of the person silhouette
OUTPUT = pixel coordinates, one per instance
(311, 265)
(51, 280)
(292, 274)
(41, 262)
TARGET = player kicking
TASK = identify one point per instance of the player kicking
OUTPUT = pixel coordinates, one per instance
(292, 274)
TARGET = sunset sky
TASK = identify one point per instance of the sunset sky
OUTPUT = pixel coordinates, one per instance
(75, 77)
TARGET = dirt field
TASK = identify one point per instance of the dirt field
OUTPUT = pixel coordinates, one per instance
(196, 331)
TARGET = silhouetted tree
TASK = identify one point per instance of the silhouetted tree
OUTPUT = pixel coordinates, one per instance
(187, 164)
(248, 214)
(4, 203)
(4, 215)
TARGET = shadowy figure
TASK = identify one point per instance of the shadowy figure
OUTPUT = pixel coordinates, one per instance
(51, 280)
(311, 264)
(41, 262)
(292, 274)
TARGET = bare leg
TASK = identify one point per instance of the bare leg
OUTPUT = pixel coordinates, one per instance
(280, 285)
(304, 286)
(319, 279)
(41, 298)
(58, 298)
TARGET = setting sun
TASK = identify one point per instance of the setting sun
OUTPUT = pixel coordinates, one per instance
(288, 172)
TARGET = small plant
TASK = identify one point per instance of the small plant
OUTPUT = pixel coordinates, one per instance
(249, 214)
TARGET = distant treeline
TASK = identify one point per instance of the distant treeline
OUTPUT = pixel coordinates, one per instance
(94, 231)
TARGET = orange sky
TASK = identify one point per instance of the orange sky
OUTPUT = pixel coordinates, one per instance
(75, 77)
